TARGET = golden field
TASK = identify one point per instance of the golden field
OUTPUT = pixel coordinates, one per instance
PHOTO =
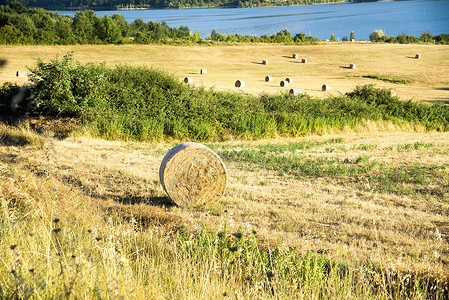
(326, 64)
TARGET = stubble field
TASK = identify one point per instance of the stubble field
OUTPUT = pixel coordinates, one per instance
(376, 197)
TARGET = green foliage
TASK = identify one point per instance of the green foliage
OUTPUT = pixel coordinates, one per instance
(66, 87)
(391, 79)
(333, 38)
(378, 36)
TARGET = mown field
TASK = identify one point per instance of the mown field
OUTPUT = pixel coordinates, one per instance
(326, 64)
(357, 208)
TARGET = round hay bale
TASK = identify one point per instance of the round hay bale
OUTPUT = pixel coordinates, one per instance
(295, 55)
(188, 80)
(264, 62)
(268, 78)
(203, 71)
(284, 83)
(392, 93)
(21, 74)
(239, 83)
(192, 174)
(352, 66)
(325, 87)
(289, 80)
(304, 60)
(295, 91)
(418, 56)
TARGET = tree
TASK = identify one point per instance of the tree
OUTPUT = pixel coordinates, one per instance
(352, 36)
(378, 36)
(333, 38)
(108, 31)
(9, 35)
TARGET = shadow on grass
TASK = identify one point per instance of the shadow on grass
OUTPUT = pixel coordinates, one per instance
(153, 201)
(345, 67)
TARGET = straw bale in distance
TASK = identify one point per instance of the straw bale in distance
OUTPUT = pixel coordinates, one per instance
(188, 80)
(239, 83)
(295, 55)
(418, 56)
(289, 80)
(352, 66)
(325, 87)
(203, 71)
(21, 74)
(295, 91)
(392, 93)
(268, 78)
(304, 60)
(284, 83)
(265, 62)
(192, 174)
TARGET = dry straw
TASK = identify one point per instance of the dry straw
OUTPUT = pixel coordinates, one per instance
(325, 87)
(192, 174)
(239, 83)
(268, 78)
(188, 80)
(265, 62)
(304, 60)
(352, 66)
(418, 56)
(295, 91)
(203, 71)
(284, 83)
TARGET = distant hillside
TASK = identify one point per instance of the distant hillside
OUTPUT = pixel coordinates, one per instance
(132, 4)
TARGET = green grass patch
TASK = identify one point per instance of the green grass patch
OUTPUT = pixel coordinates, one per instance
(387, 78)
(365, 173)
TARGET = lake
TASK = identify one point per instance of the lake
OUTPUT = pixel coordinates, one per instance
(412, 17)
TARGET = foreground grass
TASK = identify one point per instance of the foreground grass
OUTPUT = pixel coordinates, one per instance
(84, 218)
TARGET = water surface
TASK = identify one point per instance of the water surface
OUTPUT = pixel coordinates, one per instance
(393, 17)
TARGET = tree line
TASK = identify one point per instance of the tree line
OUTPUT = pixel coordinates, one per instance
(132, 4)
(36, 26)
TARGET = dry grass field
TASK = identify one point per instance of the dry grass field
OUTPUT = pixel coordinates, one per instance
(392, 211)
(359, 223)
(326, 64)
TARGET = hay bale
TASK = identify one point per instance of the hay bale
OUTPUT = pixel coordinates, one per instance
(304, 60)
(192, 174)
(21, 74)
(325, 87)
(284, 83)
(239, 83)
(264, 62)
(203, 71)
(351, 66)
(295, 55)
(188, 80)
(268, 78)
(418, 56)
(295, 91)
(392, 93)
(289, 80)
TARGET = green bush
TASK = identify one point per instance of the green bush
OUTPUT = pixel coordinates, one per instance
(147, 104)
